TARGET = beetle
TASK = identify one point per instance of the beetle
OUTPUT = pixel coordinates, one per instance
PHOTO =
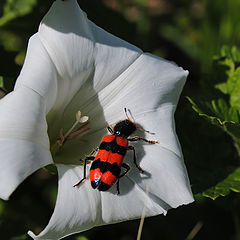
(106, 167)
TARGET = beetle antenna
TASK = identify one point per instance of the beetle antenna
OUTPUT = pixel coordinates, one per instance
(133, 120)
(125, 110)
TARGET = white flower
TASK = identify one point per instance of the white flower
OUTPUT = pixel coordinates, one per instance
(73, 65)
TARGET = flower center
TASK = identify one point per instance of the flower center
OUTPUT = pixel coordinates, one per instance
(74, 133)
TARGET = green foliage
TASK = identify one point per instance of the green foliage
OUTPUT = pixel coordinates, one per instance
(81, 238)
(16, 8)
(2, 204)
(223, 188)
(225, 114)
(21, 237)
(231, 58)
(51, 169)
(200, 28)
(220, 114)
(10, 41)
(1, 82)
(181, 40)
(2, 86)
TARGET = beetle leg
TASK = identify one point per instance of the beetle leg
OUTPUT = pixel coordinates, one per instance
(88, 158)
(135, 158)
(137, 139)
(118, 191)
(124, 165)
(84, 173)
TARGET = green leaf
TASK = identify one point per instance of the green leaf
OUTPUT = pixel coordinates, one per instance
(22, 237)
(143, 24)
(141, 2)
(1, 82)
(230, 58)
(81, 238)
(229, 52)
(223, 188)
(16, 8)
(220, 114)
(2, 87)
(222, 87)
(51, 169)
(2, 205)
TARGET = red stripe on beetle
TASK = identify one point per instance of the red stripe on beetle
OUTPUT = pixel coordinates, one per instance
(115, 158)
(122, 141)
(108, 138)
(95, 174)
(108, 178)
(103, 155)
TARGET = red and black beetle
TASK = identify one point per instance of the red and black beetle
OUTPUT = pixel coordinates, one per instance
(106, 167)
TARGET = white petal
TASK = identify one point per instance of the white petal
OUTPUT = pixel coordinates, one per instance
(150, 84)
(81, 51)
(19, 159)
(86, 57)
(39, 73)
(78, 209)
(67, 37)
(24, 142)
(164, 172)
(75, 207)
(23, 128)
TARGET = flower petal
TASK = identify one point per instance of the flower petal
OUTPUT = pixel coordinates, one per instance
(74, 207)
(150, 84)
(24, 142)
(86, 57)
(78, 209)
(23, 128)
(164, 172)
(81, 51)
(39, 73)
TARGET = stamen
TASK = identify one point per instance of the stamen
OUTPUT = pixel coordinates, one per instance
(79, 132)
(72, 133)
(79, 119)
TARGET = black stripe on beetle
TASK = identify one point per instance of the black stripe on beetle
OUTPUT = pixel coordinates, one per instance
(106, 166)
(102, 186)
(113, 146)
